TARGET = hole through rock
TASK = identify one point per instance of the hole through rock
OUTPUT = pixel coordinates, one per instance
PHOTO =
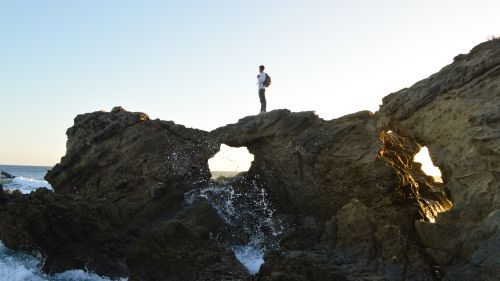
(230, 161)
(428, 167)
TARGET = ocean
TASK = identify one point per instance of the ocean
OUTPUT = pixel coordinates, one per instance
(15, 266)
(28, 178)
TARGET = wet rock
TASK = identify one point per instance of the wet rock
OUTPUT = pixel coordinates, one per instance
(3, 196)
(6, 175)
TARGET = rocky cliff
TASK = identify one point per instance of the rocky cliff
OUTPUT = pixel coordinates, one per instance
(352, 203)
(456, 114)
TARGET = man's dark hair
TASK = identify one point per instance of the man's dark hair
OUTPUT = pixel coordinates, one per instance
(261, 67)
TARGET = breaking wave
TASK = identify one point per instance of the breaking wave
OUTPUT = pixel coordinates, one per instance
(15, 266)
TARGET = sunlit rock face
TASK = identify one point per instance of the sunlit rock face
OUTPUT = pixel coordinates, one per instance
(456, 114)
(431, 196)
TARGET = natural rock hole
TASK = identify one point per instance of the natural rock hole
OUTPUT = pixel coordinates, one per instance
(416, 186)
(428, 167)
(243, 204)
(230, 161)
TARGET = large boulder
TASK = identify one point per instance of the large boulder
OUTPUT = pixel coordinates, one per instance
(456, 114)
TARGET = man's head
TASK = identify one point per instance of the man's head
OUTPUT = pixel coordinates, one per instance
(261, 68)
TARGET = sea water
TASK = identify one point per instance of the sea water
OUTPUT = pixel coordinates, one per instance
(27, 178)
(15, 266)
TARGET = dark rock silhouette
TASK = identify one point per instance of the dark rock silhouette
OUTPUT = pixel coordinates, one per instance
(6, 175)
(354, 204)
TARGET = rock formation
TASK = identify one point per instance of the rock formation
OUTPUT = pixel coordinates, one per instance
(352, 202)
(456, 114)
(118, 204)
(347, 211)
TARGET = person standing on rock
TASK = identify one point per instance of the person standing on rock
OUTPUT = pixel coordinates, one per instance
(263, 81)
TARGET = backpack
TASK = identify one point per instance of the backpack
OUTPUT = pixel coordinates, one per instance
(267, 82)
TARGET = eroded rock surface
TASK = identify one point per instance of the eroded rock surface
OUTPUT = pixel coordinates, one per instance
(352, 203)
(118, 207)
(343, 204)
(123, 150)
(456, 114)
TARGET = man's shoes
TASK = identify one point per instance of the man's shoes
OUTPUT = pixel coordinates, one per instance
(262, 111)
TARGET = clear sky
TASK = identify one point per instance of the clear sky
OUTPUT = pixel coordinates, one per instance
(195, 62)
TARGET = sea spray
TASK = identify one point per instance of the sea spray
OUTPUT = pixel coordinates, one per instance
(250, 257)
(15, 266)
(244, 205)
(26, 185)
(27, 178)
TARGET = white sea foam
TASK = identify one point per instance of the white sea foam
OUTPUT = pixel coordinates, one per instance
(79, 275)
(250, 257)
(26, 185)
(248, 213)
(15, 266)
(21, 267)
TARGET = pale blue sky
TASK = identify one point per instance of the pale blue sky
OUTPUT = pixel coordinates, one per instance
(195, 62)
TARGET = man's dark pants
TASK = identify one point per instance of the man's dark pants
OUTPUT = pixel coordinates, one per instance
(262, 97)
